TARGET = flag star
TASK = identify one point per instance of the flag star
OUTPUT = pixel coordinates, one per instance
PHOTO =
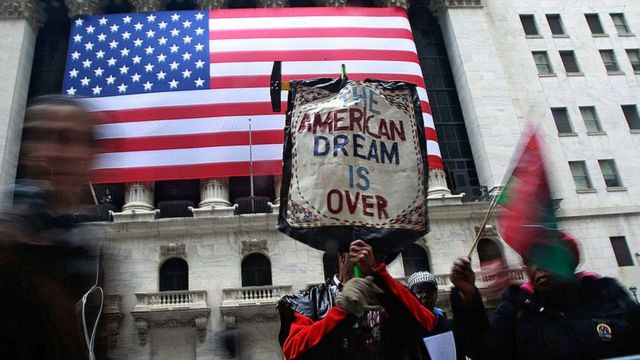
(186, 24)
(199, 82)
(187, 39)
(126, 19)
(136, 59)
(114, 28)
(147, 85)
(79, 22)
(88, 46)
(162, 25)
(71, 91)
(175, 32)
(124, 69)
(122, 88)
(186, 73)
(161, 75)
(161, 57)
(90, 29)
(174, 65)
(102, 21)
(199, 31)
(113, 44)
(148, 67)
(199, 16)
(77, 38)
(149, 50)
(86, 64)
(135, 77)
(137, 42)
(199, 64)
(85, 81)
(174, 48)
(100, 54)
(110, 80)
(96, 90)
(151, 34)
(98, 71)
(175, 17)
(173, 84)
(138, 26)
(102, 37)
(73, 73)
(124, 52)
(186, 56)
(151, 18)
(162, 41)
(75, 55)
(126, 35)
(199, 47)
(112, 61)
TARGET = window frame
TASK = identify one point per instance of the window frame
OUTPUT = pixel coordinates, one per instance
(558, 111)
(594, 120)
(556, 19)
(609, 62)
(577, 178)
(623, 257)
(572, 57)
(547, 64)
(630, 112)
(597, 24)
(613, 175)
(624, 25)
(525, 27)
(635, 63)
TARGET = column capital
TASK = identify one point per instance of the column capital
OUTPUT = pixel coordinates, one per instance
(274, 3)
(84, 7)
(438, 7)
(401, 3)
(212, 4)
(30, 10)
(149, 5)
(333, 3)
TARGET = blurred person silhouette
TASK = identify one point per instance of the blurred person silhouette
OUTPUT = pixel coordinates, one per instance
(371, 317)
(551, 316)
(47, 265)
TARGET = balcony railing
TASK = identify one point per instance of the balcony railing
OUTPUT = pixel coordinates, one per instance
(254, 295)
(171, 299)
(517, 276)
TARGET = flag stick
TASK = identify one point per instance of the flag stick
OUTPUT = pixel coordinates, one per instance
(93, 194)
(492, 207)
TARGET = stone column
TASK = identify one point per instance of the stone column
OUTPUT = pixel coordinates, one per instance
(277, 185)
(84, 7)
(149, 5)
(19, 24)
(211, 4)
(438, 184)
(214, 192)
(138, 196)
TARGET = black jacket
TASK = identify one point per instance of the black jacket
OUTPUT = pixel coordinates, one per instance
(598, 320)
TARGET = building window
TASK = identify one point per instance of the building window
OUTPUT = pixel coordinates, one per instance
(569, 61)
(594, 24)
(590, 118)
(488, 250)
(330, 264)
(634, 58)
(609, 173)
(631, 114)
(542, 63)
(580, 175)
(256, 270)
(555, 24)
(529, 25)
(621, 250)
(561, 118)
(621, 24)
(414, 259)
(609, 60)
(174, 275)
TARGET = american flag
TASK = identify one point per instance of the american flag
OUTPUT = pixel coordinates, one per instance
(176, 89)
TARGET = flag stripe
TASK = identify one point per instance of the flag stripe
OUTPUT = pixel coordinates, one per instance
(333, 32)
(313, 55)
(312, 43)
(307, 18)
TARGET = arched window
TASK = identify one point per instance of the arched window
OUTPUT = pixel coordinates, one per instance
(174, 275)
(414, 258)
(488, 250)
(330, 264)
(256, 270)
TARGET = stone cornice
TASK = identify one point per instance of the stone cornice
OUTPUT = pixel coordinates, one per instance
(149, 5)
(30, 10)
(211, 4)
(438, 7)
(84, 7)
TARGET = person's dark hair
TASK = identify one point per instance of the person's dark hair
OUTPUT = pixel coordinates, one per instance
(63, 100)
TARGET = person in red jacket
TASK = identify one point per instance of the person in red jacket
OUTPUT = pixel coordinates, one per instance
(373, 317)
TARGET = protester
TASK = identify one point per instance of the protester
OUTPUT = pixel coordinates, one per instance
(46, 265)
(550, 317)
(374, 317)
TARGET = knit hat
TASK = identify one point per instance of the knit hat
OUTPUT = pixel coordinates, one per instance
(422, 278)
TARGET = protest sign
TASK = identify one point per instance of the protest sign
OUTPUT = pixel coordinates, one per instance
(354, 165)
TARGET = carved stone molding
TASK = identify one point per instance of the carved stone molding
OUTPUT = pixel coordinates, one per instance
(439, 6)
(199, 323)
(258, 318)
(173, 250)
(489, 231)
(333, 3)
(143, 330)
(112, 318)
(274, 3)
(201, 327)
(149, 5)
(84, 7)
(30, 10)
(253, 246)
(211, 4)
(390, 3)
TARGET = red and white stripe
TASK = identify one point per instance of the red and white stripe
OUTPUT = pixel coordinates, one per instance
(204, 133)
